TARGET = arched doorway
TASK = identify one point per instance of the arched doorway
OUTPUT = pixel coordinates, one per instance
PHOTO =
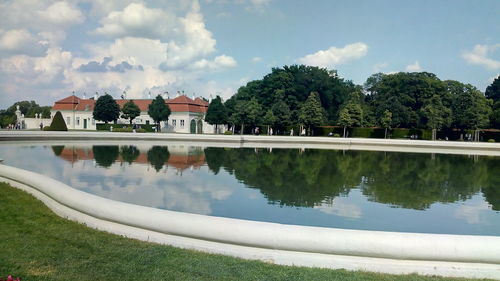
(192, 127)
(200, 127)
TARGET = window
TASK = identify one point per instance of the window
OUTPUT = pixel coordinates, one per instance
(182, 123)
(93, 121)
(78, 121)
(174, 123)
(68, 120)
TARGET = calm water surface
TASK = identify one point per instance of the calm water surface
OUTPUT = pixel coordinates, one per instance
(410, 192)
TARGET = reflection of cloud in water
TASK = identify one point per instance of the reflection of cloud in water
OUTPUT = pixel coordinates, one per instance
(340, 206)
(140, 184)
(472, 210)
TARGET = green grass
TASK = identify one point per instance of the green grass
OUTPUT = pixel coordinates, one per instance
(35, 244)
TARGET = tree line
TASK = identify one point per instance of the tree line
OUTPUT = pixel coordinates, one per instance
(310, 96)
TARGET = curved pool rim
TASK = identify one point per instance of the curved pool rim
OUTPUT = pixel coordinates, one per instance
(378, 251)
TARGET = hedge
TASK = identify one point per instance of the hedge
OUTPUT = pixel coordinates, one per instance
(106, 127)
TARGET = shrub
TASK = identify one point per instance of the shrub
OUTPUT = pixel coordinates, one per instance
(144, 127)
(58, 123)
(336, 135)
(491, 140)
(46, 128)
(228, 133)
(128, 130)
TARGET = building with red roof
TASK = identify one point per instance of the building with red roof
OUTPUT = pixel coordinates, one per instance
(187, 115)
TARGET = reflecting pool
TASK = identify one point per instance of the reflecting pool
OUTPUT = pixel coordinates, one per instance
(389, 191)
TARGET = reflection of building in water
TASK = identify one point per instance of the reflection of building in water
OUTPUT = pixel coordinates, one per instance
(180, 157)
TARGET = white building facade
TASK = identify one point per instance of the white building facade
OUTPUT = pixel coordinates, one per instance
(187, 115)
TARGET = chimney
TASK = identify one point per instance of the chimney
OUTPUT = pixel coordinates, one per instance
(96, 95)
(178, 93)
(84, 95)
(165, 95)
(194, 97)
(210, 99)
(124, 95)
(149, 95)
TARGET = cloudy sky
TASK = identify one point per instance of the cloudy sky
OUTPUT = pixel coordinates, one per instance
(50, 48)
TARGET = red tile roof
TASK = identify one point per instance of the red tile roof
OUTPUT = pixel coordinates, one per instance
(178, 104)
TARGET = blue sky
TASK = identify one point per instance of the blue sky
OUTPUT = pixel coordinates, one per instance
(205, 47)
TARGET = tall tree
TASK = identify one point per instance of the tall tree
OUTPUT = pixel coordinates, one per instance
(106, 109)
(159, 111)
(216, 113)
(436, 115)
(269, 119)
(470, 109)
(386, 121)
(130, 111)
(311, 112)
(493, 90)
(350, 115)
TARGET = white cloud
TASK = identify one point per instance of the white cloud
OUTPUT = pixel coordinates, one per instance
(480, 56)
(61, 13)
(335, 56)
(340, 207)
(379, 67)
(472, 211)
(21, 41)
(256, 59)
(219, 63)
(137, 20)
(414, 67)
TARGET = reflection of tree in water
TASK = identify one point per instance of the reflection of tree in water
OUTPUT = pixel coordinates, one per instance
(158, 156)
(129, 153)
(491, 189)
(105, 155)
(57, 149)
(408, 180)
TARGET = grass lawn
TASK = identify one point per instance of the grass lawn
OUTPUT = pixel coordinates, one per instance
(35, 244)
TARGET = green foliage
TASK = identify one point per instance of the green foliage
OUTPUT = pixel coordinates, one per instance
(128, 127)
(404, 94)
(216, 112)
(129, 153)
(228, 133)
(493, 90)
(57, 149)
(158, 110)
(436, 115)
(470, 108)
(106, 109)
(495, 115)
(158, 156)
(127, 130)
(311, 112)
(269, 118)
(386, 119)
(105, 155)
(491, 140)
(351, 115)
(130, 111)
(58, 123)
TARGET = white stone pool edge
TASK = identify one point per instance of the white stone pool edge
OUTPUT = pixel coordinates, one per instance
(385, 252)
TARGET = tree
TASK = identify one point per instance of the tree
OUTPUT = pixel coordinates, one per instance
(105, 155)
(159, 111)
(350, 115)
(386, 121)
(58, 123)
(158, 156)
(129, 153)
(269, 119)
(470, 109)
(130, 111)
(216, 113)
(311, 112)
(106, 109)
(436, 114)
(493, 90)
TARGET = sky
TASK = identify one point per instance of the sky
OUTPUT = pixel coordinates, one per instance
(49, 49)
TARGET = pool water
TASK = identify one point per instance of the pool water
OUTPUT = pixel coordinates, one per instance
(371, 190)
